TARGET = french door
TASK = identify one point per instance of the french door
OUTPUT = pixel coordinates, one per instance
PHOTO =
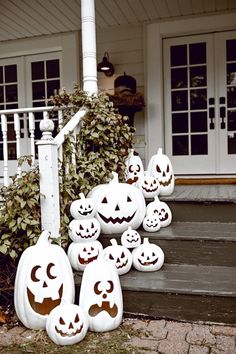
(200, 103)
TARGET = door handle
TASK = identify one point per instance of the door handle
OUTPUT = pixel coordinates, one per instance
(222, 112)
(211, 112)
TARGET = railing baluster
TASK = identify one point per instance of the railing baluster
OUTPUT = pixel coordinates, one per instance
(17, 131)
(5, 150)
(32, 142)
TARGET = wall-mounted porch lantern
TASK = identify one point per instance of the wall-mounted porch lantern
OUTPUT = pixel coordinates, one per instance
(105, 66)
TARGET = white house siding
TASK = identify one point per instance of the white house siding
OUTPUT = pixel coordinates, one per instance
(125, 47)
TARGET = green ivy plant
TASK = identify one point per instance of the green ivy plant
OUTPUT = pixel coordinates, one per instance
(101, 146)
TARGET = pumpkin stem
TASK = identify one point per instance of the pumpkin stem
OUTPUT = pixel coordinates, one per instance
(113, 242)
(159, 151)
(82, 196)
(156, 199)
(145, 241)
(43, 238)
(115, 178)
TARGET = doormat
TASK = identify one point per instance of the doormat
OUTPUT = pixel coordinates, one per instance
(186, 181)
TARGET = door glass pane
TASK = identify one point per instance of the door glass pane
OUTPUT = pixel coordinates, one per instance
(38, 90)
(10, 73)
(231, 49)
(1, 74)
(52, 68)
(180, 123)
(179, 100)
(231, 74)
(231, 96)
(231, 143)
(52, 87)
(12, 151)
(180, 145)
(198, 122)
(198, 76)
(197, 53)
(231, 120)
(179, 78)
(11, 93)
(199, 144)
(178, 55)
(1, 94)
(37, 70)
(198, 99)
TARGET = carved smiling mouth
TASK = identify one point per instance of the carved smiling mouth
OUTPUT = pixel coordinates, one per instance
(69, 334)
(87, 261)
(147, 263)
(132, 241)
(149, 190)
(152, 225)
(164, 218)
(166, 183)
(47, 305)
(85, 236)
(95, 309)
(117, 219)
(121, 265)
(84, 213)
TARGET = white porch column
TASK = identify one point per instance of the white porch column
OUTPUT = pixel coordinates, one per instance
(89, 46)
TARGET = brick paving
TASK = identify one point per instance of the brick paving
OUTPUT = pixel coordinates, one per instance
(151, 336)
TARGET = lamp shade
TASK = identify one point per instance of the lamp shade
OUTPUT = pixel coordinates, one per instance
(105, 66)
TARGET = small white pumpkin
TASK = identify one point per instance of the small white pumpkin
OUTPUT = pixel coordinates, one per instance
(161, 209)
(84, 230)
(148, 257)
(67, 324)
(149, 185)
(134, 168)
(82, 208)
(43, 279)
(120, 255)
(151, 223)
(160, 167)
(101, 295)
(81, 254)
(118, 205)
(130, 238)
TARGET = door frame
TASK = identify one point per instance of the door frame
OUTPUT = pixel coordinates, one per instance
(154, 34)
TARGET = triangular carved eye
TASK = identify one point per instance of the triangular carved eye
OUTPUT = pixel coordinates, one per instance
(111, 257)
(168, 168)
(104, 200)
(129, 199)
(158, 169)
(76, 318)
(62, 322)
(81, 227)
(122, 255)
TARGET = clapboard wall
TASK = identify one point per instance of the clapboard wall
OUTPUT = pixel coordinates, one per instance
(125, 47)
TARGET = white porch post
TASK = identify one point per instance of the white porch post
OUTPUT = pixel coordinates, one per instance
(49, 183)
(89, 46)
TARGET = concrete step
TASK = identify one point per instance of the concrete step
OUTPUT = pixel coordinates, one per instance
(180, 292)
(195, 243)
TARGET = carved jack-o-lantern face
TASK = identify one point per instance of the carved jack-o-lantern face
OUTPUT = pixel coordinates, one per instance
(161, 210)
(120, 255)
(82, 208)
(84, 230)
(101, 296)
(44, 278)
(67, 324)
(160, 167)
(130, 238)
(134, 168)
(81, 254)
(118, 206)
(148, 257)
(149, 186)
(151, 223)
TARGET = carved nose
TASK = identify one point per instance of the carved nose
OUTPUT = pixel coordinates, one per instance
(45, 284)
(117, 207)
(71, 326)
(164, 174)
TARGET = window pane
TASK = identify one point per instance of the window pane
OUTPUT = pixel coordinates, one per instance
(11, 93)
(180, 145)
(178, 55)
(197, 53)
(198, 76)
(1, 94)
(180, 123)
(11, 106)
(179, 100)
(1, 74)
(12, 151)
(10, 131)
(231, 120)
(10, 73)
(198, 122)
(1, 152)
(231, 96)
(52, 67)
(37, 70)
(179, 78)
(38, 90)
(231, 74)
(52, 87)
(198, 99)
(232, 143)
(199, 145)
(231, 49)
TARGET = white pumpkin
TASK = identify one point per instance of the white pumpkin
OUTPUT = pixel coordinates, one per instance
(81, 254)
(118, 205)
(84, 230)
(161, 209)
(67, 324)
(151, 223)
(149, 185)
(130, 238)
(160, 167)
(82, 208)
(43, 279)
(101, 295)
(148, 257)
(120, 255)
(134, 168)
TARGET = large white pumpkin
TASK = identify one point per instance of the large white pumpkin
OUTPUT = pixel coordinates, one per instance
(101, 295)
(43, 279)
(134, 168)
(67, 324)
(84, 230)
(120, 255)
(148, 257)
(81, 254)
(160, 209)
(160, 167)
(82, 208)
(118, 205)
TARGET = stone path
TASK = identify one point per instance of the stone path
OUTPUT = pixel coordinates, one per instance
(133, 336)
